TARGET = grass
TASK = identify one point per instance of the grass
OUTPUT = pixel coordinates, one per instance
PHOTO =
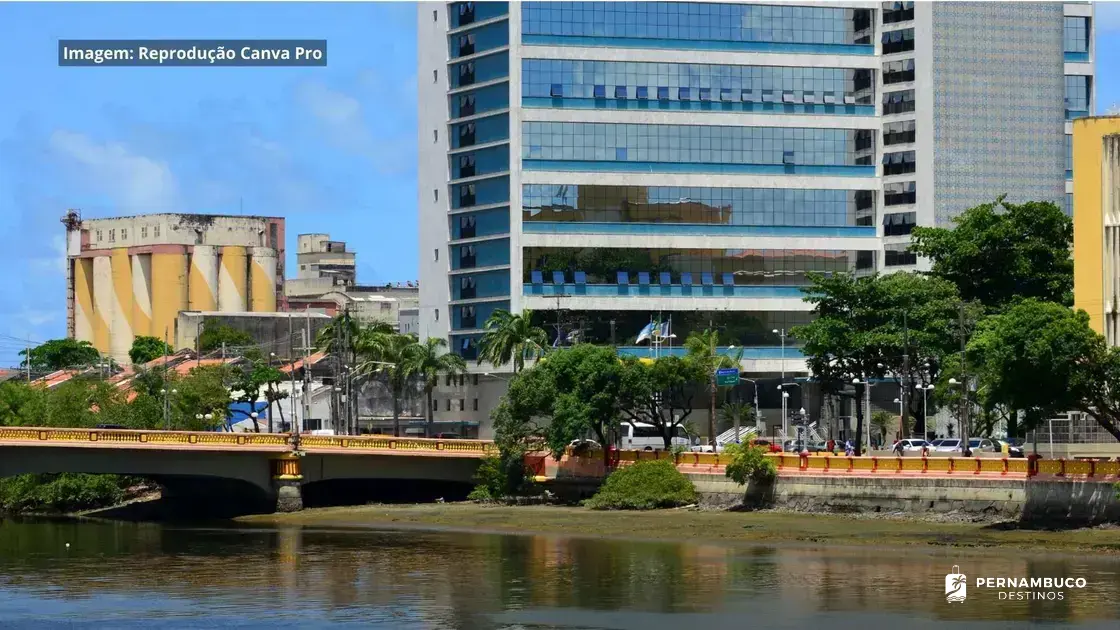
(764, 527)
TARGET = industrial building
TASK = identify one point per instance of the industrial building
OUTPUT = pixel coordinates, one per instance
(130, 276)
(607, 163)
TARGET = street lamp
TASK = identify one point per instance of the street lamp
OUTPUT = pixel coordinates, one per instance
(488, 374)
(925, 405)
(964, 401)
(901, 433)
(167, 406)
(757, 411)
(867, 413)
(785, 397)
(253, 416)
(782, 333)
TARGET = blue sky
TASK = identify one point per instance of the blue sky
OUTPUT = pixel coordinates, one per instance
(332, 149)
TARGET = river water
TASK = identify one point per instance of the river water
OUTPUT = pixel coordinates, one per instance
(119, 575)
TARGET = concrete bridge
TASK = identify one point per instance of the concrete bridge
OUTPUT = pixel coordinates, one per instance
(254, 472)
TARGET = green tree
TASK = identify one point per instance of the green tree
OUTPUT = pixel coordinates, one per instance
(511, 337)
(659, 393)
(213, 337)
(60, 354)
(385, 353)
(748, 463)
(999, 252)
(703, 353)
(145, 349)
(427, 361)
(1043, 359)
(204, 390)
(22, 404)
(736, 413)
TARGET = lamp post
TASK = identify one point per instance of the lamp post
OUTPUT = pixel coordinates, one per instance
(867, 413)
(757, 412)
(785, 397)
(902, 429)
(925, 406)
(963, 421)
(782, 333)
(167, 406)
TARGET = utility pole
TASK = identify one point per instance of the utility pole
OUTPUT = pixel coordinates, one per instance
(902, 419)
(292, 367)
(28, 356)
(712, 388)
(166, 383)
(305, 396)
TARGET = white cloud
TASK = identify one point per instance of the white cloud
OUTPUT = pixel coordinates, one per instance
(339, 116)
(135, 182)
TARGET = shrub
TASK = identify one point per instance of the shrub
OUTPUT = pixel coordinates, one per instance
(644, 486)
(749, 463)
(67, 492)
(499, 477)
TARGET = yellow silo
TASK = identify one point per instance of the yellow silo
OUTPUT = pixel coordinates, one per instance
(202, 286)
(263, 280)
(142, 295)
(102, 302)
(120, 327)
(232, 279)
(84, 316)
(169, 291)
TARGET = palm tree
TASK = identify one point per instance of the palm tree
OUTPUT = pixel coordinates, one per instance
(380, 350)
(701, 347)
(428, 360)
(511, 337)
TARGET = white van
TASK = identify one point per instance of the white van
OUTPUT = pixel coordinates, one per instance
(647, 437)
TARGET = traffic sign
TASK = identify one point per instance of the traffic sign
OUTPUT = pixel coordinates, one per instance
(727, 376)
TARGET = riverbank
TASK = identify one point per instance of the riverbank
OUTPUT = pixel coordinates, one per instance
(762, 527)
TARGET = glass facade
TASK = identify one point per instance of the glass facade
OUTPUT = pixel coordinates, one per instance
(480, 101)
(479, 40)
(700, 144)
(480, 285)
(750, 267)
(677, 204)
(481, 131)
(480, 193)
(469, 316)
(479, 224)
(483, 254)
(702, 82)
(464, 13)
(741, 328)
(1076, 34)
(1077, 95)
(481, 162)
(693, 24)
(479, 70)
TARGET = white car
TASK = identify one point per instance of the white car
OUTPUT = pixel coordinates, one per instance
(948, 445)
(911, 444)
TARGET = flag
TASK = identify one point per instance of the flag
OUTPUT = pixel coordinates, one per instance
(645, 332)
(663, 331)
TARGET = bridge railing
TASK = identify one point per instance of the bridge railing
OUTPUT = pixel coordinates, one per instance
(359, 443)
(140, 438)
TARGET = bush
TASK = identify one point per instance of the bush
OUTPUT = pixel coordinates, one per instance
(499, 477)
(749, 463)
(644, 486)
(67, 492)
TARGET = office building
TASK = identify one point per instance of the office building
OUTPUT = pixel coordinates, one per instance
(130, 276)
(605, 163)
(1096, 222)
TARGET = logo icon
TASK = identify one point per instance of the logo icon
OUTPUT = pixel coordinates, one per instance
(956, 586)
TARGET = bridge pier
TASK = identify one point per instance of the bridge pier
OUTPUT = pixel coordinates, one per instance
(286, 483)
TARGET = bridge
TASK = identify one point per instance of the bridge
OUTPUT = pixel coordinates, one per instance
(259, 472)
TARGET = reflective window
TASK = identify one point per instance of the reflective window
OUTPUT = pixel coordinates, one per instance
(464, 13)
(693, 144)
(484, 162)
(481, 131)
(898, 102)
(485, 223)
(480, 285)
(894, 12)
(1077, 93)
(474, 315)
(1067, 204)
(480, 70)
(898, 71)
(898, 255)
(899, 223)
(595, 79)
(900, 193)
(901, 132)
(898, 41)
(682, 204)
(480, 101)
(1076, 34)
(480, 193)
(775, 267)
(741, 328)
(479, 40)
(482, 254)
(698, 21)
(899, 163)
(1069, 153)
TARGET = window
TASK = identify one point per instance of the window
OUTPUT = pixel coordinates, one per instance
(642, 93)
(466, 165)
(476, 401)
(466, 195)
(124, 233)
(466, 73)
(467, 317)
(466, 135)
(449, 404)
(476, 385)
(466, 44)
(437, 314)
(1077, 95)
(556, 90)
(900, 193)
(467, 288)
(112, 236)
(155, 231)
(898, 71)
(899, 223)
(1076, 34)
(898, 41)
(435, 16)
(467, 256)
(435, 135)
(894, 12)
(99, 236)
(901, 132)
(435, 254)
(899, 255)
(435, 194)
(448, 380)
(865, 260)
(144, 232)
(898, 102)
(467, 226)
(899, 163)
(466, 105)
(466, 13)
(599, 91)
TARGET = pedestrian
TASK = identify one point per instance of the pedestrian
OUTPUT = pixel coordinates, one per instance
(832, 446)
(848, 450)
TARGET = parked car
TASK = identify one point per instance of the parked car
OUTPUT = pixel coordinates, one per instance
(796, 446)
(934, 444)
(911, 444)
(1016, 447)
(984, 445)
(948, 445)
(448, 436)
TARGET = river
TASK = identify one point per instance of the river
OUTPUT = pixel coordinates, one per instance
(124, 575)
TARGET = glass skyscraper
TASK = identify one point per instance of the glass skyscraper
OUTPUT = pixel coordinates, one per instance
(605, 163)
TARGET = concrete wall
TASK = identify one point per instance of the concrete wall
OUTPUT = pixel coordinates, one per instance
(1030, 501)
(270, 330)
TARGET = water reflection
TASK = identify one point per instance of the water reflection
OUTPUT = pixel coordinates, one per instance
(122, 574)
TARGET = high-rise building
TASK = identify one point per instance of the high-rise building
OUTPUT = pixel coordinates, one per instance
(131, 276)
(1096, 223)
(605, 163)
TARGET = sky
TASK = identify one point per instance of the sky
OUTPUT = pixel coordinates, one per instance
(332, 149)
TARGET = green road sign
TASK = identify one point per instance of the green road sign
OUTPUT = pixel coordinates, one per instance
(727, 376)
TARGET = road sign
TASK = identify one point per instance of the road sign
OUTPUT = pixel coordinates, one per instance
(727, 376)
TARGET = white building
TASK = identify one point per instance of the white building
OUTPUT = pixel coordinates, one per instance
(607, 163)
